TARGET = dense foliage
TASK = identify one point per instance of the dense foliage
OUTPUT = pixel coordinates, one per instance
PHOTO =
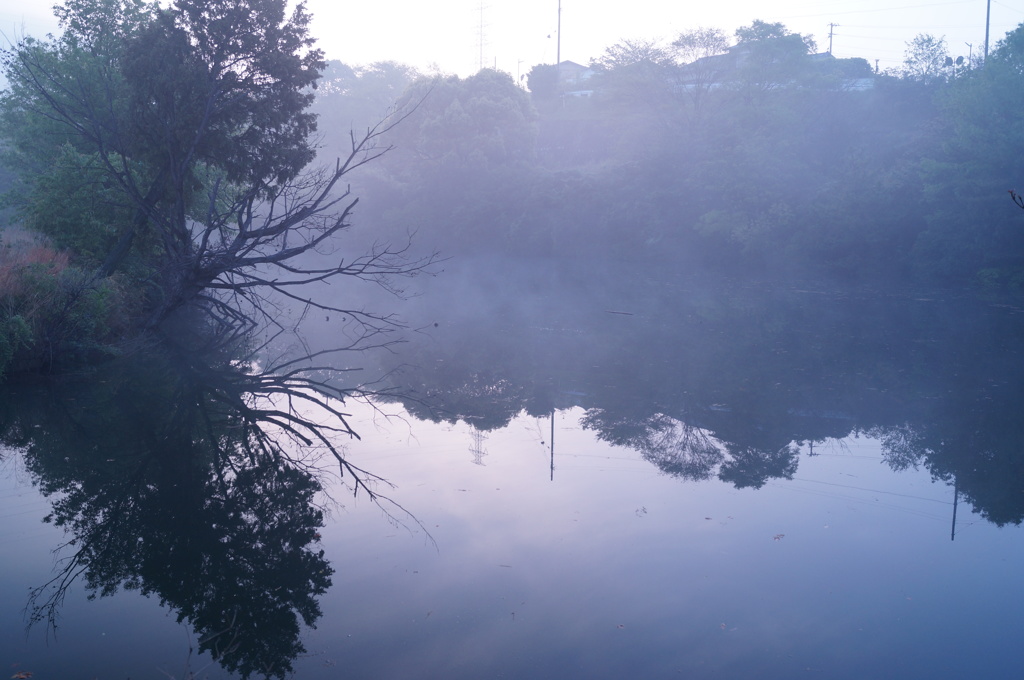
(164, 218)
(166, 151)
(756, 156)
(747, 155)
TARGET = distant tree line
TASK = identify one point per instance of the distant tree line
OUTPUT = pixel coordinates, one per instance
(182, 190)
(757, 154)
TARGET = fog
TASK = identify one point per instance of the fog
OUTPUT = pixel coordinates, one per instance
(698, 262)
(751, 157)
(752, 240)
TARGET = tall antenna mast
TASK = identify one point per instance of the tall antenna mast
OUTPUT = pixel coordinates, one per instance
(480, 35)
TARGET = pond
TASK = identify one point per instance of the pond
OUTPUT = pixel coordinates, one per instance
(591, 475)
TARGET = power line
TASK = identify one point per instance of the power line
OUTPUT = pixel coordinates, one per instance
(862, 488)
(1012, 9)
(875, 11)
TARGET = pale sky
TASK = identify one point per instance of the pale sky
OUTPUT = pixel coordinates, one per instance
(445, 35)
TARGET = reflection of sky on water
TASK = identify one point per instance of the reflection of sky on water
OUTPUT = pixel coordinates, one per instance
(614, 569)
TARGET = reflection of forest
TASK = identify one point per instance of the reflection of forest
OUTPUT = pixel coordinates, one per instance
(708, 379)
(164, 486)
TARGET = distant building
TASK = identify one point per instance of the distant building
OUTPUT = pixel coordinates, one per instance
(572, 78)
(717, 70)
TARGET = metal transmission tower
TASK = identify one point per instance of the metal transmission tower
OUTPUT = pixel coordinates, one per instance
(477, 449)
(481, 36)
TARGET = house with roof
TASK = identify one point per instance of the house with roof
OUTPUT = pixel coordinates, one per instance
(773, 63)
(573, 77)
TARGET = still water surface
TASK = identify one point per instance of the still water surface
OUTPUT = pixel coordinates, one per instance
(760, 483)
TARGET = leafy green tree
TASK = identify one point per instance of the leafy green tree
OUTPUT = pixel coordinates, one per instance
(86, 221)
(477, 122)
(760, 30)
(768, 56)
(637, 93)
(700, 43)
(925, 59)
(170, 89)
(971, 230)
(634, 72)
(542, 80)
(1009, 52)
(354, 99)
(631, 53)
(197, 116)
(697, 49)
(458, 161)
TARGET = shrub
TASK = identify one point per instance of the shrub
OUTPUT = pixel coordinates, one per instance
(52, 312)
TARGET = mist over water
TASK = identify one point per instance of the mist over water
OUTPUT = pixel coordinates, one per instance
(695, 376)
(743, 478)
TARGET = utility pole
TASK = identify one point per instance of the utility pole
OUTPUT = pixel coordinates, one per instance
(956, 495)
(558, 70)
(552, 443)
(830, 29)
(988, 22)
(558, 39)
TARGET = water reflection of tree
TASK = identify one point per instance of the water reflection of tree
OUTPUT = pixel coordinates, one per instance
(975, 448)
(688, 452)
(676, 448)
(755, 369)
(752, 467)
(170, 482)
